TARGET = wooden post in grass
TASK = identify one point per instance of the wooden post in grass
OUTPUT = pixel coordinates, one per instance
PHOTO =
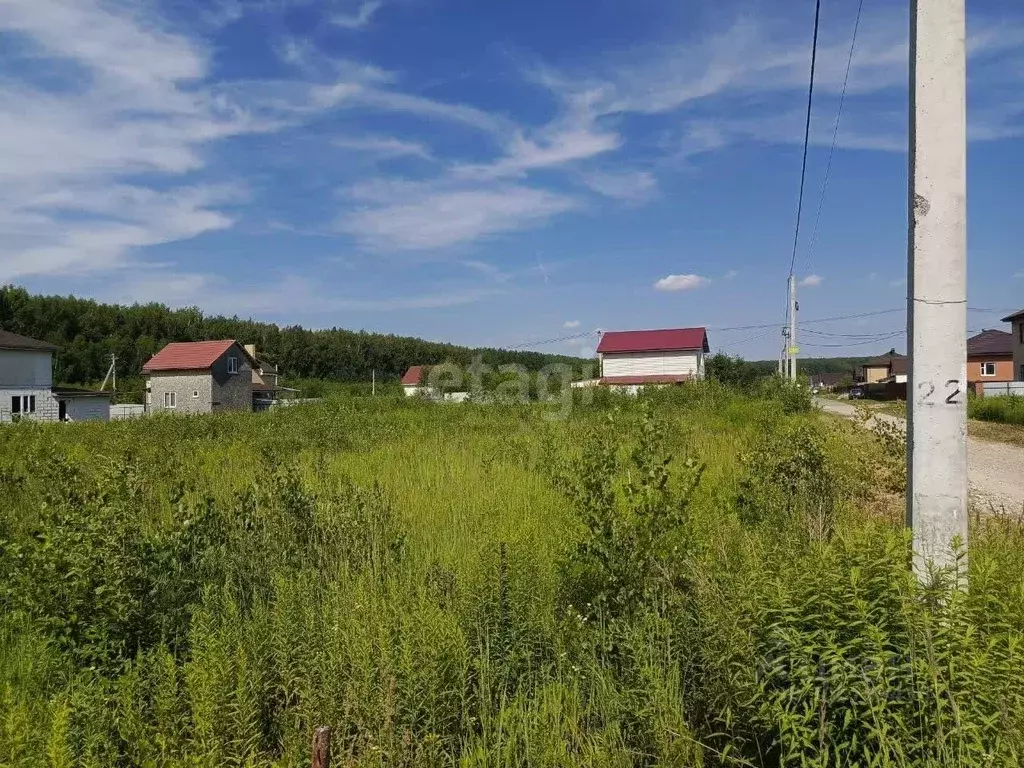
(322, 747)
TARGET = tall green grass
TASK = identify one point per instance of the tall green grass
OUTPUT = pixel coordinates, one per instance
(1005, 409)
(696, 577)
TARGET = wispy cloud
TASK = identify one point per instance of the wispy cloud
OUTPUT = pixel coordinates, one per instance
(570, 324)
(811, 281)
(425, 216)
(384, 146)
(681, 283)
(731, 274)
(359, 18)
(631, 186)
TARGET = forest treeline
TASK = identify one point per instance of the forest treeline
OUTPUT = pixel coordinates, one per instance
(88, 332)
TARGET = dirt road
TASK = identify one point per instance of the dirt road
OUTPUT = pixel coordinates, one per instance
(995, 471)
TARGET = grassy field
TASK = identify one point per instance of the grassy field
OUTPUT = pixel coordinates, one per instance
(1006, 409)
(699, 577)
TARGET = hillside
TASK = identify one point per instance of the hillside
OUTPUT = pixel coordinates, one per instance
(87, 332)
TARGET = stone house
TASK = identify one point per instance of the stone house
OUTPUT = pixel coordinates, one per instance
(199, 377)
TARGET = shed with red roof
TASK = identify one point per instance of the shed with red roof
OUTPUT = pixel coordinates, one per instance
(199, 377)
(633, 359)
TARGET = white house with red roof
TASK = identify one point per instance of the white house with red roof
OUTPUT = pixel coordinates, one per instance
(630, 360)
(199, 377)
(414, 381)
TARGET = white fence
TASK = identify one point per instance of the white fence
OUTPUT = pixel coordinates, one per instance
(995, 388)
(126, 411)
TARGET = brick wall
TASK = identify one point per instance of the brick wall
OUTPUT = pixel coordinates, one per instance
(232, 391)
(193, 392)
(47, 408)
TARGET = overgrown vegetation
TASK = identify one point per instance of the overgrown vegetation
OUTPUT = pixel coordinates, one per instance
(694, 577)
(1005, 409)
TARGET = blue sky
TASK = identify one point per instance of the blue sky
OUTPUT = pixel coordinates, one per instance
(489, 173)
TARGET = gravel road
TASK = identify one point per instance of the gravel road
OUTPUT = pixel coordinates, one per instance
(995, 471)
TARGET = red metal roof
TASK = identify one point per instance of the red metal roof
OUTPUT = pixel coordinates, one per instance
(990, 342)
(667, 340)
(414, 376)
(666, 378)
(188, 355)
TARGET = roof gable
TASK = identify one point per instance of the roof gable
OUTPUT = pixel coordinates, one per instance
(990, 342)
(664, 340)
(414, 376)
(15, 341)
(191, 355)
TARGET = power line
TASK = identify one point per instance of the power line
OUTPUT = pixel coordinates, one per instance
(835, 136)
(807, 135)
(529, 344)
(851, 335)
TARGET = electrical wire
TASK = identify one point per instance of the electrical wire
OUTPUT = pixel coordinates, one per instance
(835, 135)
(807, 135)
(528, 344)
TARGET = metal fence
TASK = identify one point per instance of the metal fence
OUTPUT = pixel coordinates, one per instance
(994, 388)
(126, 411)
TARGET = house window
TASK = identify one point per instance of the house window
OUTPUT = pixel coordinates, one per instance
(195, 393)
(988, 369)
(232, 364)
(1020, 329)
(170, 400)
(23, 404)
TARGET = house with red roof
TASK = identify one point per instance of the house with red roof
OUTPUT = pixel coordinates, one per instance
(630, 360)
(414, 382)
(199, 377)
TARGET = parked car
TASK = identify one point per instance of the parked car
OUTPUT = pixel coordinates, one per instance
(857, 393)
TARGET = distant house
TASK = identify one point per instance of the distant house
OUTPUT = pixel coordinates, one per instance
(414, 382)
(989, 359)
(1017, 325)
(630, 360)
(827, 381)
(889, 367)
(26, 386)
(265, 387)
(199, 377)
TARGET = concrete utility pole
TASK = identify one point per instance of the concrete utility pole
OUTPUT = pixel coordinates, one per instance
(937, 290)
(792, 349)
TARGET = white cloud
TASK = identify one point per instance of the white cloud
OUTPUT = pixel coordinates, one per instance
(423, 216)
(898, 282)
(383, 146)
(360, 18)
(559, 148)
(811, 281)
(570, 324)
(631, 186)
(731, 274)
(681, 283)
